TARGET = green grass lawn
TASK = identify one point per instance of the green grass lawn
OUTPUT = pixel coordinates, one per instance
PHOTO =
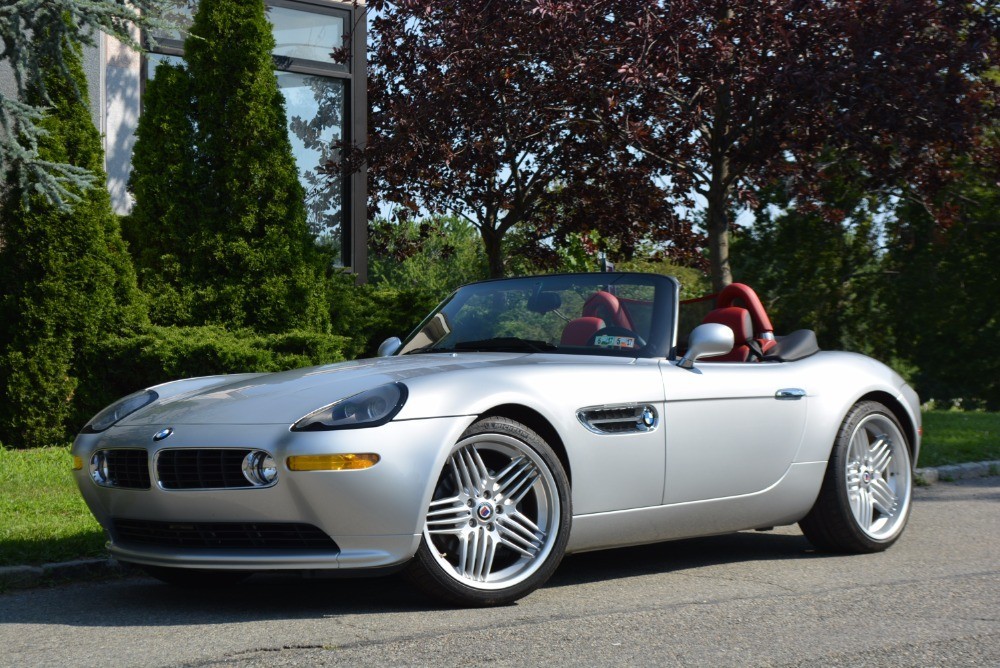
(953, 437)
(43, 518)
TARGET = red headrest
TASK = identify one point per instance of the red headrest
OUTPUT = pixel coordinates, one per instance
(758, 315)
(736, 319)
(606, 306)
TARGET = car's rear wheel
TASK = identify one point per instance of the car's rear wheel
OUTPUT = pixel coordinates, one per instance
(195, 578)
(864, 503)
(498, 520)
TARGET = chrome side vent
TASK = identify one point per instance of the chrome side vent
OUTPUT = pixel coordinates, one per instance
(619, 418)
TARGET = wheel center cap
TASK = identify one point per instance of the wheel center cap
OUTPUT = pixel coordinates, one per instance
(867, 477)
(484, 511)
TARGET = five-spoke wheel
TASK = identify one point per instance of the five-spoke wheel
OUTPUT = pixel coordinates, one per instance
(498, 521)
(864, 503)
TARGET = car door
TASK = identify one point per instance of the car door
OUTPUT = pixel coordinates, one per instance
(731, 428)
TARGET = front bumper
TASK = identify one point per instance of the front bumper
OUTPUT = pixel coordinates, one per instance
(374, 516)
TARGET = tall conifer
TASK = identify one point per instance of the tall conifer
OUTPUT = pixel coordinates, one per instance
(233, 241)
(65, 275)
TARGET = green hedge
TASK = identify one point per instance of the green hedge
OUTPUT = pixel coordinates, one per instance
(120, 365)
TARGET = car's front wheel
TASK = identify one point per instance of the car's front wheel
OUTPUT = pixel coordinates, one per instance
(864, 503)
(498, 520)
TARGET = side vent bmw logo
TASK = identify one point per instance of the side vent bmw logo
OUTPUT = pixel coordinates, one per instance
(162, 434)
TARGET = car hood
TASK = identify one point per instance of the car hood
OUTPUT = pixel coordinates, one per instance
(285, 397)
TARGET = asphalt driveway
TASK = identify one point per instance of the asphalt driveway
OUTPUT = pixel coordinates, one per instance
(745, 599)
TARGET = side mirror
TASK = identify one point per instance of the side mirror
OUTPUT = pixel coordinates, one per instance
(389, 347)
(707, 340)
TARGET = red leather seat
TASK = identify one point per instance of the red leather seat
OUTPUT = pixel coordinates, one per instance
(606, 306)
(737, 319)
(743, 295)
(578, 332)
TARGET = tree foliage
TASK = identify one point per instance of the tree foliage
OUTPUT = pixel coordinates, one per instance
(480, 109)
(412, 267)
(888, 280)
(728, 96)
(66, 279)
(820, 274)
(944, 296)
(219, 228)
(33, 35)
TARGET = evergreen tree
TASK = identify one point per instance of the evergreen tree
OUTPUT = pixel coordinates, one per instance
(228, 237)
(65, 275)
(163, 221)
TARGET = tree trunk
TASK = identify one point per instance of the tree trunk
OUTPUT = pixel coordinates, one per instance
(718, 237)
(718, 189)
(494, 252)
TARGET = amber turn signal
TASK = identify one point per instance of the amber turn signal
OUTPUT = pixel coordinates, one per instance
(77, 463)
(348, 462)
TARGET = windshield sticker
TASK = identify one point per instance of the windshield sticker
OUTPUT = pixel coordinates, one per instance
(611, 341)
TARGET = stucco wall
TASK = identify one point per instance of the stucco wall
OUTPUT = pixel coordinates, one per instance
(122, 86)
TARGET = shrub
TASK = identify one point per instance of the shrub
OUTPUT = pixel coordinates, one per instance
(414, 265)
(119, 365)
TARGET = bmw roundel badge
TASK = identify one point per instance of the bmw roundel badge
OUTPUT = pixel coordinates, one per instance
(162, 434)
(648, 417)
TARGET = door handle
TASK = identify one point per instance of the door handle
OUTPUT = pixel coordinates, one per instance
(789, 394)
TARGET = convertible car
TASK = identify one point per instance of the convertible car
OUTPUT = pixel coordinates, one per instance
(523, 419)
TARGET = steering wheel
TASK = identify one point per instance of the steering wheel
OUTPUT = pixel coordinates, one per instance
(617, 334)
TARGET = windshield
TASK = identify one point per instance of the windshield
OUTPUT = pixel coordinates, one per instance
(619, 314)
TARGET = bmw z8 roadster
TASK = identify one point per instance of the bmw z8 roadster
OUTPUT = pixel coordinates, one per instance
(522, 420)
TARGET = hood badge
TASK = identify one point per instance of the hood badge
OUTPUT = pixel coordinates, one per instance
(162, 434)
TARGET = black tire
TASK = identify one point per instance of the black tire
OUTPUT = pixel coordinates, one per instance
(500, 480)
(194, 578)
(864, 503)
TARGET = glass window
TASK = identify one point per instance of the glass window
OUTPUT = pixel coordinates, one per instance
(621, 314)
(153, 61)
(315, 91)
(180, 14)
(314, 106)
(306, 35)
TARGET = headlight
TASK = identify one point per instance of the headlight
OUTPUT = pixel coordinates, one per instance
(119, 410)
(367, 409)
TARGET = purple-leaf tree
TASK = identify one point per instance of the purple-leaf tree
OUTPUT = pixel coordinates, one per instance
(727, 96)
(501, 113)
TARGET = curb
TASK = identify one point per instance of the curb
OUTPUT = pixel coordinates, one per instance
(27, 577)
(953, 472)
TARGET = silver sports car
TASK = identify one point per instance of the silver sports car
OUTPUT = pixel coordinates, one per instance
(524, 419)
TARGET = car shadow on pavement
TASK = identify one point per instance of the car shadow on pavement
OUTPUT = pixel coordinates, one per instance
(141, 601)
(681, 555)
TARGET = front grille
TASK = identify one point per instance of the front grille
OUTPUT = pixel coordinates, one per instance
(128, 469)
(223, 535)
(202, 468)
